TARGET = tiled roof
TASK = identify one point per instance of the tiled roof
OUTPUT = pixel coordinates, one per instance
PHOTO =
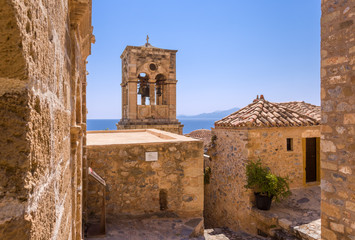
(203, 134)
(262, 113)
(307, 109)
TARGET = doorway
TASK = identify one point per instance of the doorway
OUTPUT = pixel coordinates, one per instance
(311, 153)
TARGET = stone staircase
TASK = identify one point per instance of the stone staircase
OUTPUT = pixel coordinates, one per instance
(283, 229)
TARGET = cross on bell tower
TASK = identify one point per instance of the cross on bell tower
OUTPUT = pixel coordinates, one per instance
(149, 89)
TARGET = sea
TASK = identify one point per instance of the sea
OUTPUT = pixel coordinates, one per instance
(190, 124)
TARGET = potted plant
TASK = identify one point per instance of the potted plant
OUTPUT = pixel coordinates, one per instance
(265, 184)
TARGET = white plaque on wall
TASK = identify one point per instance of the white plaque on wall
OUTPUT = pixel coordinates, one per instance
(151, 156)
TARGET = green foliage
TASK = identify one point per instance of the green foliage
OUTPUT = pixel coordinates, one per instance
(260, 179)
(207, 175)
(213, 139)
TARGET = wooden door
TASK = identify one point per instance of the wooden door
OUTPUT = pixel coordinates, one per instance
(311, 159)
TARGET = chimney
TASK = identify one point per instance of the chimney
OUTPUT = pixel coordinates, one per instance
(262, 97)
(256, 99)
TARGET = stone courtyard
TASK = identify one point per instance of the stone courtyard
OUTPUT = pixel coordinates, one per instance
(297, 217)
(167, 229)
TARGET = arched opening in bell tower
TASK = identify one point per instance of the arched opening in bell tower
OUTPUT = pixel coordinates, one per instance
(160, 87)
(143, 97)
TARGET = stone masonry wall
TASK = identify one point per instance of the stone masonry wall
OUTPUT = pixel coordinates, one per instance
(269, 144)
(134, 185)
(227, 203)
(338, 117)
(42, 71)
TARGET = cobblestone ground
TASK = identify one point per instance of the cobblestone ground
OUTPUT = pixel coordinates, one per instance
(226, 234)
(298, 215)
(166, 229)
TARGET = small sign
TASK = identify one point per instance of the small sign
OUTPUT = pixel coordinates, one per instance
(151, 156)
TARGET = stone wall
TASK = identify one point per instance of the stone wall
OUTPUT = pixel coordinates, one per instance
(269, 144)
(134, 185)
(42, 108)
(227, 202)
(338, 117)
(173, 128)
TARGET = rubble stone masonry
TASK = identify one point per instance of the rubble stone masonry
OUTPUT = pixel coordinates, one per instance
(338, 119)
(135, 186)
(228, 205)
(227, 202)
(43, 50)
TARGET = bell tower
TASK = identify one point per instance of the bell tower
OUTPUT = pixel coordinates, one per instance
(149, 89)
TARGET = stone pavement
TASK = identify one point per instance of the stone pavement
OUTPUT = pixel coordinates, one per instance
(166, 229)
(226, 234)
(298, 215)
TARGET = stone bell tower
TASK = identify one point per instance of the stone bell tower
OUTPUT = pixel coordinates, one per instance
(149, 89)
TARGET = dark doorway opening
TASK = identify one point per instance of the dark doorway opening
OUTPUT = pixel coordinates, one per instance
(311, 160)
(163, 199)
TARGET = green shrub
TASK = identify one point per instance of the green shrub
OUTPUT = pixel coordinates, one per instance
(260, 179)
(207, 175)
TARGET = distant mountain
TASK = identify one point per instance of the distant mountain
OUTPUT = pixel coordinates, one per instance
(212, 115)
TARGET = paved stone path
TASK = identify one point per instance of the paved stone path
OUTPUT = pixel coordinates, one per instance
(298, 215)
(226, 234)
(166, 229)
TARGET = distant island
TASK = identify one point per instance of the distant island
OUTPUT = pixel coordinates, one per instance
(213, 115)
(190, 122)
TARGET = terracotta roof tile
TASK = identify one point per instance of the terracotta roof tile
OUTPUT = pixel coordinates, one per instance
(262, 113)
(203, 134)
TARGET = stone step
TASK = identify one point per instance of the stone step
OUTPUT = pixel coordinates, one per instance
(286, 230)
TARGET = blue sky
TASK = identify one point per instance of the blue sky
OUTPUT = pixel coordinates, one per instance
(228, 51)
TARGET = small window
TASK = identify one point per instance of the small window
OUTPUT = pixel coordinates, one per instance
(153, 67)
(289, 144)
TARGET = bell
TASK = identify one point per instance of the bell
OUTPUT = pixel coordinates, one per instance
(159, 91)
(146, 91)
(140, 90)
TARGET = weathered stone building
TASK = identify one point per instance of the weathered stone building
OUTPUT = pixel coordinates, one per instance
(338, 119)
(285, 136)
(43, 50)
(149, 89)
(148, 172)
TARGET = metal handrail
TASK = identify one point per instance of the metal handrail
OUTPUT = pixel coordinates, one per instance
(101, 181)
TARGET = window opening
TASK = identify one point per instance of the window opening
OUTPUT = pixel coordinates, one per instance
(289, 144)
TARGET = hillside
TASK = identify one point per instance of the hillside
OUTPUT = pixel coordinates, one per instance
(212, 115)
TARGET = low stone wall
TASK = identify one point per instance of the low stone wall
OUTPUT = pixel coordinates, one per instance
(173, 128)
(173, 183)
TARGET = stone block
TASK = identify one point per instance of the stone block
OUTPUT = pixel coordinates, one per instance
(330, 210)
(328, 234)
(349, 118)
(337, 227)
(350, 206)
